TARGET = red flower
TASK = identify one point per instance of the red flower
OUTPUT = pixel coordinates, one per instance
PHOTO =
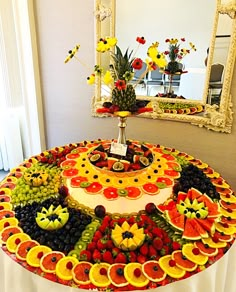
(137, 64)
(183, 39)
(167, 40)
(120, 84)
(141, 40)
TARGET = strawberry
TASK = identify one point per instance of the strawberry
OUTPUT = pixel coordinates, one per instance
(104, 227)
(113, 222)
(96, 256)
(107, 257)
(152, 252)
(85, 255)
(115, 251)
(132, 256)
(102, 244)
(149, 235)
(176, 245)
(97, 234)
(110, 244)
(141, 259)
(121, 220)
(121, 258)
(91, 246)
(165, 250)
(157, 243)
(157, 232)
(144, 249)
(131, 220)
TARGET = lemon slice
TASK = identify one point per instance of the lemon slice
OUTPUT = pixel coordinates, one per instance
(212, 243)
(229, 230)
(5, 222)
(35, 254)
(64, 267)
(134, 275)
(98, 275)
(5, 206)
(14, 240)
(193, 254)
(169, 266)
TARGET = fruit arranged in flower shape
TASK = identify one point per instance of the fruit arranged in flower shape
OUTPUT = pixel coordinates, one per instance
(193, 254)
(182, 262)
(98, 274)
(169, 266)
(152, 270)
(9, 231)
(127, 237)
(65, 266)
(116, 275)
(35, 254)
(205, 249)
(53, 218)
(14, 240)
(80, 273)
(34, 177)
(5, 222)
(135, 276)
(24, 247)
(49, 261)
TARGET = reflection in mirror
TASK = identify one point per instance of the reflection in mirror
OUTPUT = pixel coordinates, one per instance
(219, 60)
(177, 23)
(217, 115)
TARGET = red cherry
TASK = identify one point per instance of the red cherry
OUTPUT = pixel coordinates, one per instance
(6, 224)
(17, 241)
(172, 263)
(196, 251)
(103, 271)
(40, 255)
(137, 272)
(69, 265)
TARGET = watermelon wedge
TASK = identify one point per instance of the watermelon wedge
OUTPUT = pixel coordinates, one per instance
(207, 224)
(178, 222)
(189, 231)
(199, 228)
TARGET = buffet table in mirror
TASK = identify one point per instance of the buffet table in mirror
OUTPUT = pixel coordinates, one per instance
(103, 215)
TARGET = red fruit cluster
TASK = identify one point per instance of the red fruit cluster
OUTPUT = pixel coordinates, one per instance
(102, 248)
(56, 156)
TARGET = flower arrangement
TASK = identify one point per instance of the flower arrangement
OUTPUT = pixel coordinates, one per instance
(176, 54)
(118, 79)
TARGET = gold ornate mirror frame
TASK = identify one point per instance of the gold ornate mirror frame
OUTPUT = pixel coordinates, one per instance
(217, 117)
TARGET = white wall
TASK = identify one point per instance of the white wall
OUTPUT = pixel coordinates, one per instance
(67, 97)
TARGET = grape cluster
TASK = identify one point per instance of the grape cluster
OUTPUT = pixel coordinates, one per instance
(192, 176)
(24, 193)
(62, 239)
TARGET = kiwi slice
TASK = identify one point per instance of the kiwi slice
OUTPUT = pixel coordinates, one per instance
(122, 192)
(144, 161)
(75, 253)
(84, 184)
(95, 157)
(80, 245)
(118, 166)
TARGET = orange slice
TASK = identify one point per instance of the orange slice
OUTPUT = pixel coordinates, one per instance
(182, 262)
(98, 275)
(35, 254)
(14, 240)
(206, 249)
(152, 270)
(49, 261)
(64, 267)
(8, 222)
(228, 213)
(135, 276)
(193, 254)
(9, 231)
(24, 247)
(169, 266)
(225, 228)
(80, 273)
(116, 275)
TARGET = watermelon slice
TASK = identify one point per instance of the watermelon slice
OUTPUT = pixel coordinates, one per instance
(178, 222)
(207, 224)
(194, 194)
(199, 228)
(189, 231)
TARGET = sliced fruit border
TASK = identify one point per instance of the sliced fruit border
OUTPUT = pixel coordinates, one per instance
(180, 238)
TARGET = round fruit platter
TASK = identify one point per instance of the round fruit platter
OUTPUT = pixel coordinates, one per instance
(84, 217)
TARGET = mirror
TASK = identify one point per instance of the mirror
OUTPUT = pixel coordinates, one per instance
(217, 113)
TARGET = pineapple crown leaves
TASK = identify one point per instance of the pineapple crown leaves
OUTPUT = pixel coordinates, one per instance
(122, 63)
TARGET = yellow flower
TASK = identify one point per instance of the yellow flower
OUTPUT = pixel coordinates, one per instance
(158, 58)
(91, 79)
(173, 41)
(72, 53)
(192, 46)
(107, 78)
(106, 44)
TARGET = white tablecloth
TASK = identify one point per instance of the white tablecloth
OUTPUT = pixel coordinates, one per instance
(220, 277)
